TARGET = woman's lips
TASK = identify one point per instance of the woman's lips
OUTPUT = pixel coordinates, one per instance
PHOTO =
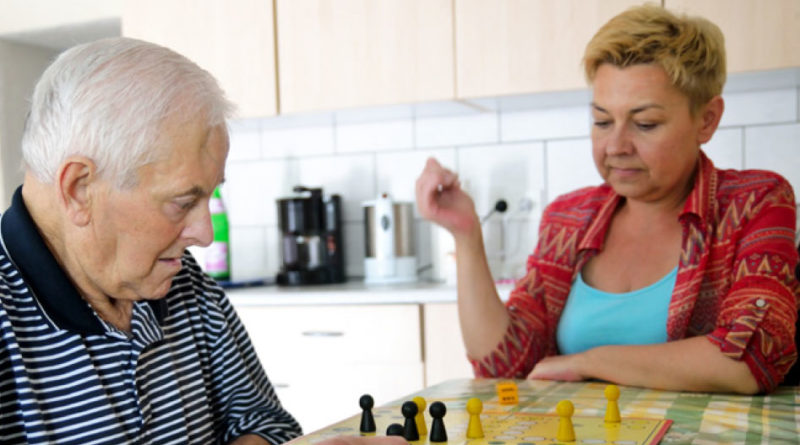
(624, 172)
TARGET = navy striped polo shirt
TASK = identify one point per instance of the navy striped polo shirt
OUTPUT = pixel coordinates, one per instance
(185, 374)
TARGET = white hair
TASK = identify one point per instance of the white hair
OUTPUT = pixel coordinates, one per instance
(107, 100)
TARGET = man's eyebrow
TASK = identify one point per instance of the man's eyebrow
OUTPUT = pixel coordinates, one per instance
(195, 191)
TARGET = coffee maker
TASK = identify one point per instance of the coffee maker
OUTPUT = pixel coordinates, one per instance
(311, 238)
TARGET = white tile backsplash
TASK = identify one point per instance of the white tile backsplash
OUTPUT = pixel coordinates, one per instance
(397, 172)
(570, 166)
(726, 148)
(245, 142)
(776, 148)
(375, 136)
(516, 148)
(250, 189)
(355, 248)
(479, 128)
(510, 172)
(249, 253)
(297, 141)
(545, 123)
(350, 176)
(760, 107)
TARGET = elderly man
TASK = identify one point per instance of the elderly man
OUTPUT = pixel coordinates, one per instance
(109, 331)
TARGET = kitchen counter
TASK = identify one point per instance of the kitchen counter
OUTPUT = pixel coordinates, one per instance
(351, 292)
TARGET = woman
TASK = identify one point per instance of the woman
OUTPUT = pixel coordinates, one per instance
(670, 275)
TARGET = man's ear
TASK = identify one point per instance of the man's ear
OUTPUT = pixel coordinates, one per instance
(710, 115)
(73, 182)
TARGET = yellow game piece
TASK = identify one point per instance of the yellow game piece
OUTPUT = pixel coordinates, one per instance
(612, 408)
(566, 432)
(420, 417)
(507, 393)
(474, 427)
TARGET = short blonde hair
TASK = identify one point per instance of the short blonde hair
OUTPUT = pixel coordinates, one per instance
(690, 49)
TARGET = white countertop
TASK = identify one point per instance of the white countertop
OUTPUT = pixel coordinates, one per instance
(351, 292)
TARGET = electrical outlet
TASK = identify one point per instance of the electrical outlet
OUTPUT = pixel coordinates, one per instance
(525, 204)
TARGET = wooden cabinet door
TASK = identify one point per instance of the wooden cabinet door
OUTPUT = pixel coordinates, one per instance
(759, 35)
(445, 354)
(347, 53)
(525, 46)
(234, 40)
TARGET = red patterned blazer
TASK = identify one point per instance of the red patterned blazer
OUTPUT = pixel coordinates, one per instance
(735, 282)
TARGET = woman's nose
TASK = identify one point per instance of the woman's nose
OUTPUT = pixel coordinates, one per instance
(619, 141)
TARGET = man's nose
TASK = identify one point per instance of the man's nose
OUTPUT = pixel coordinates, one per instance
(199, 230)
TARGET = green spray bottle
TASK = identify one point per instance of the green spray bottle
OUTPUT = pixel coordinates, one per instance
(218, 257)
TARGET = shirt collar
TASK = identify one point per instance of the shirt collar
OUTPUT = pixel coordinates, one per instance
(698, 203)
(49, 283)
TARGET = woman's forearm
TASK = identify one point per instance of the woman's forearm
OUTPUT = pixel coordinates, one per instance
(482, 314)
(692, 364)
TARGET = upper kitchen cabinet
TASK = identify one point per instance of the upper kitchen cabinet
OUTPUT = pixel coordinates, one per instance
(525, 46)
(347, 53)
(234, 40)
(759, 35)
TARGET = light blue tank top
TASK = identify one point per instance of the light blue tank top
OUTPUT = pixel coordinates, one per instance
(595, 318)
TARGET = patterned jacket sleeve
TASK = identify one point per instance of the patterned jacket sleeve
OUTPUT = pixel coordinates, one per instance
(537, 297)
(757, 316)
(524, 342)
(244, 396)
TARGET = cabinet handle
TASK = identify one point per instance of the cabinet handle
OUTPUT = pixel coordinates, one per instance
(322, 334)
(280, 385)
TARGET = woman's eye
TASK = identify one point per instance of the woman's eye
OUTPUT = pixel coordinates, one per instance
(601, 124)
(646, 126)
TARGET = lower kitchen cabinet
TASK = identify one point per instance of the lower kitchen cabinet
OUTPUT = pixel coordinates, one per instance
(321, 359)
(445, 354)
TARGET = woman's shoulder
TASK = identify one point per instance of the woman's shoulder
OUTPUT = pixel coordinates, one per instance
(577, 209)
(752, 182)
(582, 199)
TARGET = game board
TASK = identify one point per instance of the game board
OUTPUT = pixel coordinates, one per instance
(505, 426)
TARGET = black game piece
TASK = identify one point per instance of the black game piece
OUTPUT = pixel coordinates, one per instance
(438, 433)
(410, 410)
(367, 421)
(395, 429)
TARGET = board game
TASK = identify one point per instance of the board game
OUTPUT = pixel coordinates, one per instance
(506, 425)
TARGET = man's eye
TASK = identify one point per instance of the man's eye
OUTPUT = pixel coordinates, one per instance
(185, 205)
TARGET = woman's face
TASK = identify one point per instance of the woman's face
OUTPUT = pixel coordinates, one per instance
(645, 142)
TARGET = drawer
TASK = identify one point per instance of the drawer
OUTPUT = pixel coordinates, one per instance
(286, 338)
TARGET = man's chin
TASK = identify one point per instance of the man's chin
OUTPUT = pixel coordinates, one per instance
(158, 292)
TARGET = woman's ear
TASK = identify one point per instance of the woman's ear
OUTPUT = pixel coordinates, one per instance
(73, 182)
(710, 114)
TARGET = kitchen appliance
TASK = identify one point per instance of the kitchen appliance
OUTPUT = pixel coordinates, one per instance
(390, 253)
(311, 238)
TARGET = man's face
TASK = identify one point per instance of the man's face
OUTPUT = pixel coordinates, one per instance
(139, 234)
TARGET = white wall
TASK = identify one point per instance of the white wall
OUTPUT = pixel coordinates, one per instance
(21, 16)
(20, 68)
(529, 147)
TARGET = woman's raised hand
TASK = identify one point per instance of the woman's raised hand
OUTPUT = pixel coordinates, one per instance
(441, 200)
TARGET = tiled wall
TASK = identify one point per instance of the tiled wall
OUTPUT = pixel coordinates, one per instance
(524, 149)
